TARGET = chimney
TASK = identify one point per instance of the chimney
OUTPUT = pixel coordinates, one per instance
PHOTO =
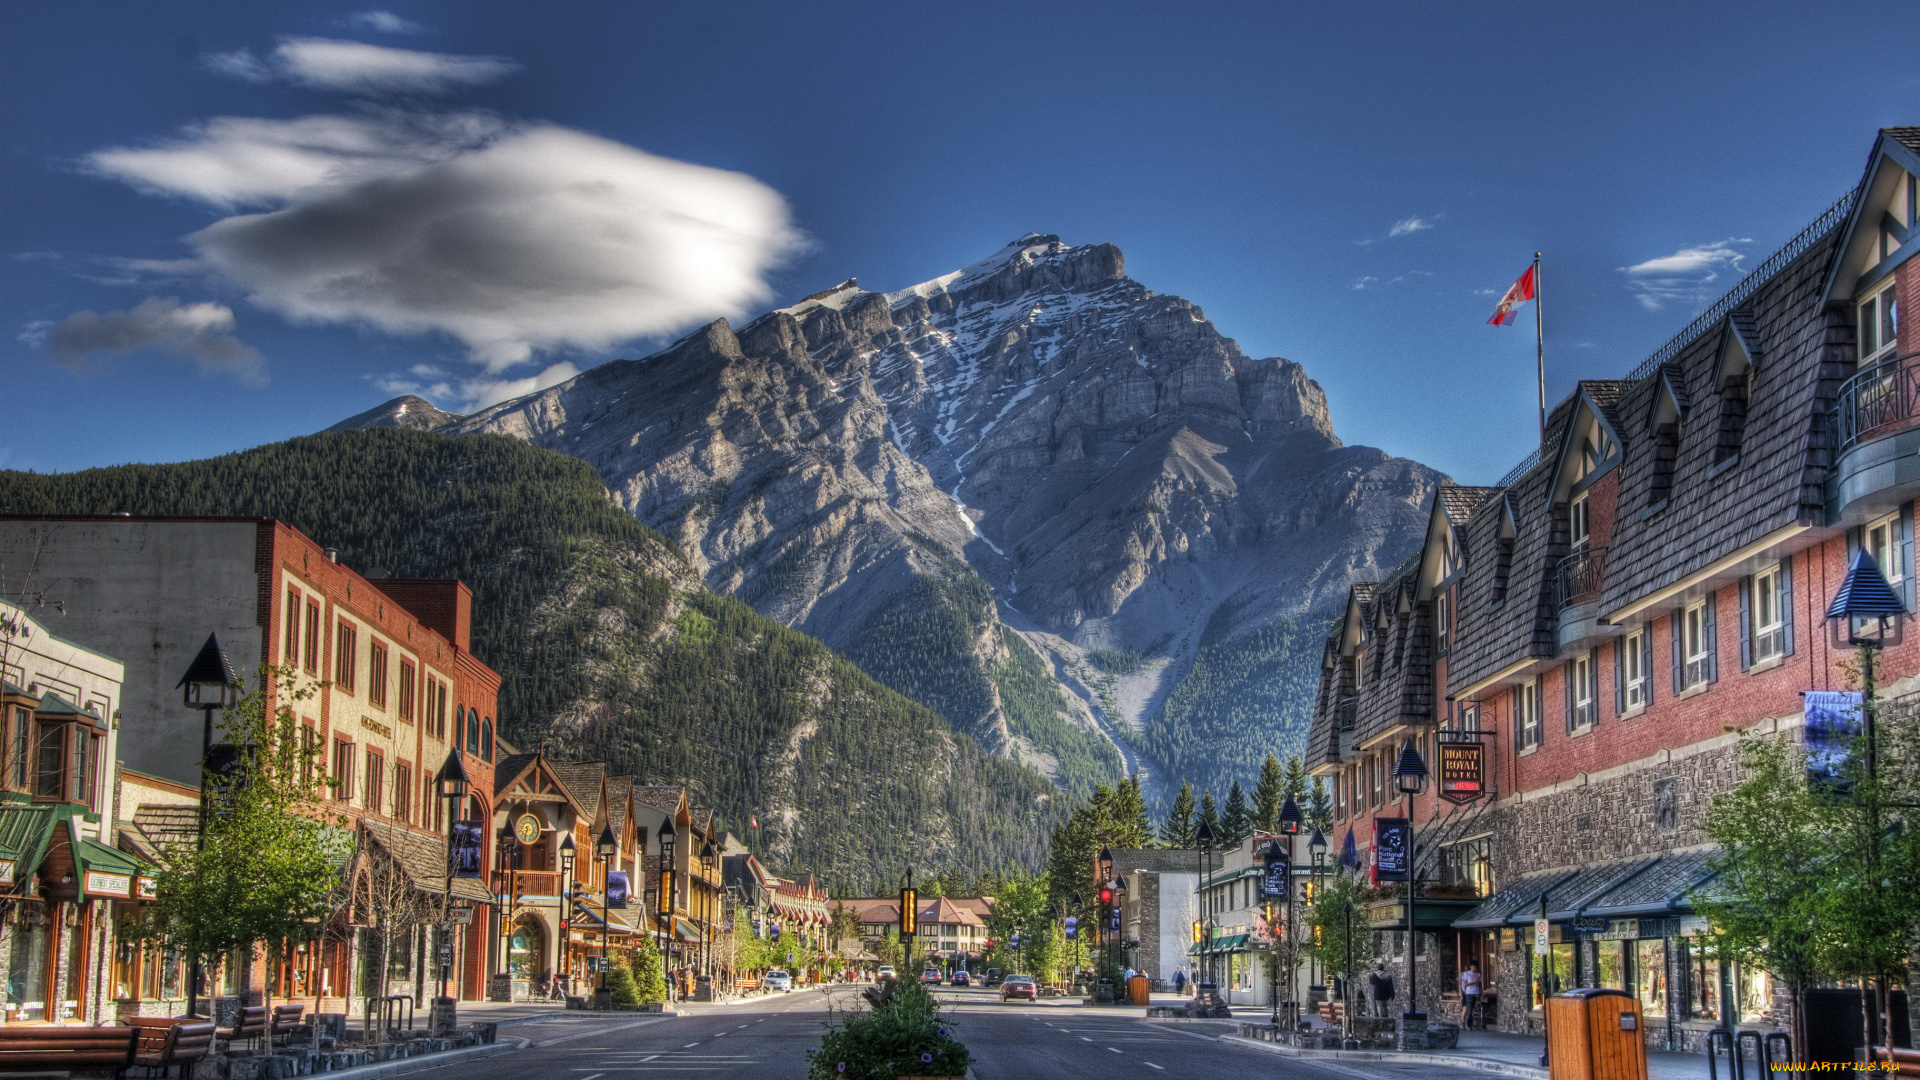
(332, 554)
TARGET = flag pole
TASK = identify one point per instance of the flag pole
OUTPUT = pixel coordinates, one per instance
(1540, 348)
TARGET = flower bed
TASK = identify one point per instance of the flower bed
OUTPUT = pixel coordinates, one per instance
(900, 1034)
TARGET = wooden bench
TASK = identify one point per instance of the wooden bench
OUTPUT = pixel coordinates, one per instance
(49, 1047)
(165, 1042)
(1905, 1062)
(1333, 1012)
(250, 1025)
(285, 1024)
(746, 986)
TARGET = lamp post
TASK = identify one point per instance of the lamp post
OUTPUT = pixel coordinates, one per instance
(1318, 849)
(604, 850)
(1290, 822)
(1204, 838)
(1105, 862)
(211, 685)
(1410, 777)
(451, 785)
(909, 921)
(568, 853)
(707, 855)
(663, 903)
(1867, 615)
(1073, 905)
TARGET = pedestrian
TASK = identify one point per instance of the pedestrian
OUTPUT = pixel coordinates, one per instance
(1180, 980)
(1469, 995)
(1380, 987)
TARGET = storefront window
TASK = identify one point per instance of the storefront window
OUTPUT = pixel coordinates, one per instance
(526, 950)
(1703, 983)
(1755, 988)
(1612, 959)
(1555, 975)
(1650, 976)
(27, 965)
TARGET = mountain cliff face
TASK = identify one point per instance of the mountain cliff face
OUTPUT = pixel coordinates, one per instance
(1035, 444)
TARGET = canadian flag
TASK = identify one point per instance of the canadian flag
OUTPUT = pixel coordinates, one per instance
(755, 818)
(1519, 293)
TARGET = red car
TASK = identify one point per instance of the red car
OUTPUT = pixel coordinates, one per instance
(1019, 986)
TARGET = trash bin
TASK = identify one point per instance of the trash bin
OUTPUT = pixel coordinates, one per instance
(1138, 992)
(1594, 1034)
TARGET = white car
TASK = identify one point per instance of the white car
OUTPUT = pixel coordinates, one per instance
(885, 974)
(779, 980)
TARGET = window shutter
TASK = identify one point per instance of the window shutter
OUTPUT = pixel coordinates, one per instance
(1906, 554)
(1571, 672)
(1678, 622)
(1713, 643)
(1786, 606)
(1619, 676)
(1746, 623)
(1646, 665)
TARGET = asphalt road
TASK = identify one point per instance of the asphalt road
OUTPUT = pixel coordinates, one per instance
(768, 1039)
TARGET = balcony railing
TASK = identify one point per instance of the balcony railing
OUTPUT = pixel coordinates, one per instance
(1344, 713)
(1579, 575)
(1877, 397)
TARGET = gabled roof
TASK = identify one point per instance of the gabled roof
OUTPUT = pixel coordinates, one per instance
(1459, 503)
(619, 798)
(1592, 407)
(509, 770)
(583, 779)
(423, 859)
(1670, 397)
(1893, 152)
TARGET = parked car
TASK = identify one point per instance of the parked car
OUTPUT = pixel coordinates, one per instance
(961, 978)
(885, 974)
(779, 980)
(991, 979)
(1019, 986)
(931, 976)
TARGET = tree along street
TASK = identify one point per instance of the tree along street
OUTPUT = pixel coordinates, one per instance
(768, 1039)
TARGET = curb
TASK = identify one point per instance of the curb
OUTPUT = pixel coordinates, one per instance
(573, 1014)
(1497, 1068)
(426, 1061)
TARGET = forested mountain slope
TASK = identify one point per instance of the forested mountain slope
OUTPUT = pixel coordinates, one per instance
(610, 647)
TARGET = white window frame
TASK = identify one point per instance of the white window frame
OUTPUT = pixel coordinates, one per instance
(1877, 322)
(1694, 646)
(1580, 716)
(1579, 524)
(1526, 715)
(1882, 538)
(1768, 616)
(1442, 616)
(1634, 655)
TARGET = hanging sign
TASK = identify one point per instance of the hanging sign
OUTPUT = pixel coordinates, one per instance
(1833, 723)
(1278, 869)
(1542, 937)
(1073, 928)
(104, 884)
(146, 888)
(617, 889)
(1462, 771)
(1391, 839)
(6, 871)
(467, 840)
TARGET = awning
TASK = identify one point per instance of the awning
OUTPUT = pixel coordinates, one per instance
(1658, 890)
(1568, 899)
(106, 871)
(26, 831)
(684, 932)
(614, 924)
(424, 860)
(1231, 943)
(1517, 903)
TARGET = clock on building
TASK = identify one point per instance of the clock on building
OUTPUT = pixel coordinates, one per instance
(527, 829)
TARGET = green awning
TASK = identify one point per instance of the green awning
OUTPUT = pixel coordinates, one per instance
(1230, 943)
(106, 871)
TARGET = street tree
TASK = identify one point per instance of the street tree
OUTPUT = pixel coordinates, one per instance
(1296, 780)
(1320, 806)
(1237, 819)
(1210, 814)
(267, 864)
(1339, 938)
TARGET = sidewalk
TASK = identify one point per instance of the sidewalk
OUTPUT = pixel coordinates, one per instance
(1486, 1051)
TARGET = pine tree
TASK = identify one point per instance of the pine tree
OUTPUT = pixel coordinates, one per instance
(1177, 830)
(1296, 782)
(1237, 819)
(1320, 806)
(1210, 816)
(1268, 794)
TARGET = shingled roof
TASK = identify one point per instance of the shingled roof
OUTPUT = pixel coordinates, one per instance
(424, 860)
(1459, 503)
(583, 780)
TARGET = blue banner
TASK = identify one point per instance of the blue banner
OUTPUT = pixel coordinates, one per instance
(467, 840)
(1391, 840)
(1833, 723)
(1073, 928)
(617, 889)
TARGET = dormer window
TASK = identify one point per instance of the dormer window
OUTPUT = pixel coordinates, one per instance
(1879, 326)
(64, 758)
(1577, 522)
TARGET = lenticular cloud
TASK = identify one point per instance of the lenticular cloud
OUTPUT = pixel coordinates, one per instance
(511, 239)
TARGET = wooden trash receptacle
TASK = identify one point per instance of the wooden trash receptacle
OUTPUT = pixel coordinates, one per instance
(1594, 1034)
(1139, 991)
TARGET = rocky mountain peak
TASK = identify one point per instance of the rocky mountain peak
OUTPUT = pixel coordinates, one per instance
(402, 412)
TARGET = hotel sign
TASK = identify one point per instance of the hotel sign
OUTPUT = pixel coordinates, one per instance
(1462, 771)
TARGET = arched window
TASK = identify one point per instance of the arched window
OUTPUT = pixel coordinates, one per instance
(459, 726)
(486, 739)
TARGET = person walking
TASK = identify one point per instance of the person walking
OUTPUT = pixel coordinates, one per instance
(1469, 996)
(1380, 988)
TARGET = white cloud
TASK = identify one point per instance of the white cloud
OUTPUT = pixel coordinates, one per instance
(472, 394)
(200, 332)
(1409, 226)
(1366, 282)
(1686, 276)
(384, 22)
(358, 68)
(511, 239)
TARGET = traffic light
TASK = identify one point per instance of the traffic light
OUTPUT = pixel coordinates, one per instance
(1196, 931)
(1106, 896)
(1306, 888)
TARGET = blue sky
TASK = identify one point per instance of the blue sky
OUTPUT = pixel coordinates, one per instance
(1350, 188)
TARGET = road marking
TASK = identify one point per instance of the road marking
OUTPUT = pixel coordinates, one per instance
(1083, 1038)
(598, 1031)
(1111, 1048)
(1148, 1064)
(690, 1045)
(592, 1077)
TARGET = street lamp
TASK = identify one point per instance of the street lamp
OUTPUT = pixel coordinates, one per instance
(663, 899)
(568, 853)
(1290, 818)
(707, 855)
(1203, 837)
(211, 684)
(450, 784)
(1317, 848)
(1410, 778)
(604, 850)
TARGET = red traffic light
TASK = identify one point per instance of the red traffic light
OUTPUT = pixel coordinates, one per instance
(1106, 897)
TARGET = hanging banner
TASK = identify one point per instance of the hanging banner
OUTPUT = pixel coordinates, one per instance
(1278, 869)
(1391, 839)
(617, 889)
(467, 840)
(1462, 771)
(1833, 723)
(1073, 928)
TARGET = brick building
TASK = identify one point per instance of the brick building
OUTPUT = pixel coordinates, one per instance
(1608, 620)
